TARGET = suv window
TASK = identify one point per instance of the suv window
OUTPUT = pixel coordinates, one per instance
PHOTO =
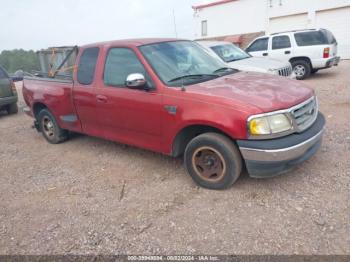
(3, 74)
(280, 42)
(87, 65)
(258, 45)
(330, 37)
(310, 38)
(120, 63)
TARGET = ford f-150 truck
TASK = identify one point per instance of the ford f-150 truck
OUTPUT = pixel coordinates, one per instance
(172, 97)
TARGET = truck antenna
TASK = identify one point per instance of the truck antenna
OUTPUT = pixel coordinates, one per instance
(175, 29)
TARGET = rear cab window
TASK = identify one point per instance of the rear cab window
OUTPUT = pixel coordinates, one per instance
(87, 65)
(260, 44)
(281, 42)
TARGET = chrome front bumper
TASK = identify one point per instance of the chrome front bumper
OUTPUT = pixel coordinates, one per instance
(281, 154)
(266, 158)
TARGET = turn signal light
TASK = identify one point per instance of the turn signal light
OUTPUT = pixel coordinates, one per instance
(326, 52)
(13, 87)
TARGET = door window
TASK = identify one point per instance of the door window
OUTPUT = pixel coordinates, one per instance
(280, 42)
(204, 28)
(120, 63)
(87, 65)
(259, 45)
(3, 75)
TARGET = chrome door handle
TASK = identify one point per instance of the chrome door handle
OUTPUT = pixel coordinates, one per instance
(101, 99)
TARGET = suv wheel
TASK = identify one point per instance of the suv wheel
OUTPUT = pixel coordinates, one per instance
(50, 129)
(301, 69)
(213, 161)
(12, 109)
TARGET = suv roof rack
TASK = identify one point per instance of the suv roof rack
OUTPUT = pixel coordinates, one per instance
(292, 31)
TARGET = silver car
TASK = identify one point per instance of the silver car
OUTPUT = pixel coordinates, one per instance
(239, 59)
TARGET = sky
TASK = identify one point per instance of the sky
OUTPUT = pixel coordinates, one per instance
(37, 24)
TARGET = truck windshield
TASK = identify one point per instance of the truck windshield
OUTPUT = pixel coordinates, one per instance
(180, 63)
(229, 52)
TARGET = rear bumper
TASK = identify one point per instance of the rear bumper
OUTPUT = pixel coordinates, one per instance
(4, 101)
(324, 63)
(267, 158)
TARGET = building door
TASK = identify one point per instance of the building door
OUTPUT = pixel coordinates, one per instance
(338, 22)
(288, 23)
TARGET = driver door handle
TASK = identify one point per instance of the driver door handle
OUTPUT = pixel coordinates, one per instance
(101, 99)
(287, 52)
(265, 54)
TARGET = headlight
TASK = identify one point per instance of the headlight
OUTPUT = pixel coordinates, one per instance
(268, 125)
(273, 71)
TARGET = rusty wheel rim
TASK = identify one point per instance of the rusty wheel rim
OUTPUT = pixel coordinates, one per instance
(48, 127)
(209, 164)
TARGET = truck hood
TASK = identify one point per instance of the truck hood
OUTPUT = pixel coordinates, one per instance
(264, 92)
(258, 64)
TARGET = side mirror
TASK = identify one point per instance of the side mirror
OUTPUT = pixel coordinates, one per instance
(136, 81)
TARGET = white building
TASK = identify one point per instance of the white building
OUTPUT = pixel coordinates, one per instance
(240, 21)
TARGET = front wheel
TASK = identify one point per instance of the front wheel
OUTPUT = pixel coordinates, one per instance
(50, 129)
(301, 69)
(213, 161)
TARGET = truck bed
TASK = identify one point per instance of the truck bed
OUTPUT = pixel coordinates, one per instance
(56, 95)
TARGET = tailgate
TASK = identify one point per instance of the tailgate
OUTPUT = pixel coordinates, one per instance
(333, 49)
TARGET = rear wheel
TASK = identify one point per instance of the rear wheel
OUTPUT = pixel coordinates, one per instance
(301, 69)
(213, 161)
(12, 109)
(50, 129)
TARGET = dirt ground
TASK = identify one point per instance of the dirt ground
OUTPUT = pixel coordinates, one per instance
(91, 196)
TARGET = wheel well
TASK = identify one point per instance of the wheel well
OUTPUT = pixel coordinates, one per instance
(37, 108)
(188, 133)
(305, 58)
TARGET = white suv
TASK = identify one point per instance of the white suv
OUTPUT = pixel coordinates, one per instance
(239, 59)
(307, 50)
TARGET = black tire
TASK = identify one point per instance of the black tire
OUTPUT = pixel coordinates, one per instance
(314, 71)
(301, 69)
(12, 109)
(50, 129)
(229, 161)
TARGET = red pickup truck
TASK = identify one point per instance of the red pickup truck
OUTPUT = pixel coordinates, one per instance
(172, 97)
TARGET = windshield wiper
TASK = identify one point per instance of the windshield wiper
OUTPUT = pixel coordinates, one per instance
(193, 76)
(237, 59)
(223, 69)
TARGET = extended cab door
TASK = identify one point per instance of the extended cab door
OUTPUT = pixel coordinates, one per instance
(84, 97)
(131, 116)
(281, 48)
(259, 47)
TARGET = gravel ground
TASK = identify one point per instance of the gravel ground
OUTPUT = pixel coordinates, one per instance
(91, 196)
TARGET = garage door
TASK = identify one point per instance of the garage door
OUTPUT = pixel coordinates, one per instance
(286, 23)
(338, 22)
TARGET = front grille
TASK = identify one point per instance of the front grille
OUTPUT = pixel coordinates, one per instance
(286, 71)
(305, 114)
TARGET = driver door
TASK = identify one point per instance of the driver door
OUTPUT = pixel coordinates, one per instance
(131, 116)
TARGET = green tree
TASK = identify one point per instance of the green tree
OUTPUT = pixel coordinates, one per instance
(19, 59)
